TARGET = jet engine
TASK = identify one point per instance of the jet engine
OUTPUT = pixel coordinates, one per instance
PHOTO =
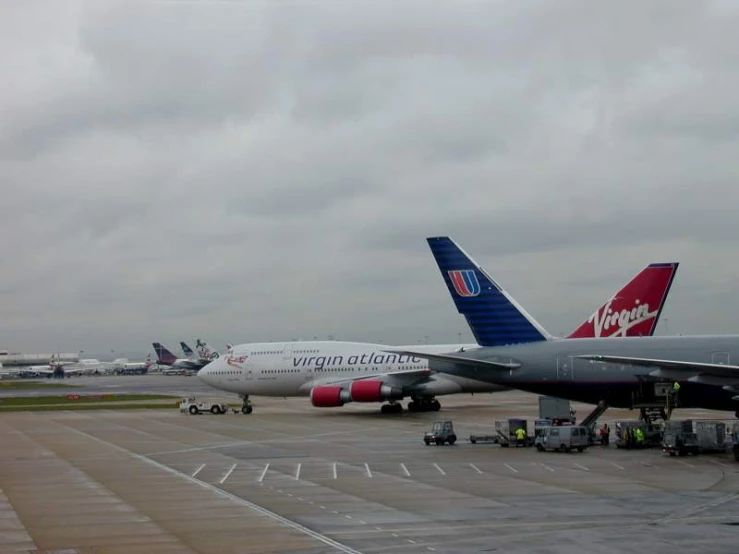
(329, 397)
(373, 391)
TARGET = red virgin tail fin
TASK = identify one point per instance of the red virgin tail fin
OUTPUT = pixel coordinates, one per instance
(635, 309)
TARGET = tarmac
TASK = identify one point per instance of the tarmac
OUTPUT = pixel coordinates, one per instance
(291, 478)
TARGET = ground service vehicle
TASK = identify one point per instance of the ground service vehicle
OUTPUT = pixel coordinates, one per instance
(557, 410)
(441, 432)
(506, 431)
(563, 438)
(625, 429)
(680, 443)
(195, 406)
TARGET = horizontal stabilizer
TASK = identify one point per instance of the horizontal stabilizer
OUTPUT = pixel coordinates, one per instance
(460, 360)
(671, 366)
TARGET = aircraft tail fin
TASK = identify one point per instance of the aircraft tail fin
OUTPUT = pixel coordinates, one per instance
(205, 351)
(187, 350)
(164, 356)
(635, 309)
(494, 317)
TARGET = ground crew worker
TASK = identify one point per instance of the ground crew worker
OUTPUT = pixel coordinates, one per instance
(520, 436)
(639, 435)
(604, 434)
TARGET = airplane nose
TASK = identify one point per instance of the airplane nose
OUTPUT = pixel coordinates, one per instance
(207, 373)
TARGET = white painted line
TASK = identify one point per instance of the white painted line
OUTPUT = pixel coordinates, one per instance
(513, 469)
(198, 470)
(431, 549)
(646, 464)
(405, 470)
(224, 494)
(348, 517)
(393, 534)
(411, 541)
(334, 470)
(616, 465)
(685, 463)
(322, 507)
(440, 470)
(717, 462)
(362, 522)
(264, 472)
(545, 466)
(581, 467)
(334, 511)
(369, 473)
(228, 473)
(473, 466)
(297, 472)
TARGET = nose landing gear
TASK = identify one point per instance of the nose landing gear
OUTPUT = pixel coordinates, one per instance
(247, 407)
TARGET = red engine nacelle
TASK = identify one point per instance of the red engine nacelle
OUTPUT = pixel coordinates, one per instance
(329, 397)
(373, 391)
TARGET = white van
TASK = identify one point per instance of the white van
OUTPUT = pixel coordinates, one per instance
(563, 438)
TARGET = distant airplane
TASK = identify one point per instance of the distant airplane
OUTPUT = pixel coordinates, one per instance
(334, 373)
(626, 372)
(165, 357)
(58, 369)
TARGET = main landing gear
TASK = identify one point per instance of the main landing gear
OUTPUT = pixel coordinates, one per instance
(247, 407)
(392, 408)
(424, 405)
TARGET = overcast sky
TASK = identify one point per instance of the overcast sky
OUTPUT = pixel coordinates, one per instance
(244, 171)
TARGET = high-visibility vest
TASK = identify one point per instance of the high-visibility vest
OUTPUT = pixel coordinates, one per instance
(520, 433)
(676, 386)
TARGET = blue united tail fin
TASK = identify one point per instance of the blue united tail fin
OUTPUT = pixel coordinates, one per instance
(187, 350)
(495, 318)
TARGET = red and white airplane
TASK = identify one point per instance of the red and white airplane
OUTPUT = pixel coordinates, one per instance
(333, 373)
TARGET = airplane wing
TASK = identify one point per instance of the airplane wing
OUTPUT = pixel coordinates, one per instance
(461, 360)
(397, 378)
(673, 369)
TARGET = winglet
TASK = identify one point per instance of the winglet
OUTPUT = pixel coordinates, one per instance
(635, 309)
(494, 317)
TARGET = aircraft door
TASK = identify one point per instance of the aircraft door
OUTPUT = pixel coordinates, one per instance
(565, 368)
(721, 358)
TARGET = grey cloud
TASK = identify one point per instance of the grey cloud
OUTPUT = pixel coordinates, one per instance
(258, 171)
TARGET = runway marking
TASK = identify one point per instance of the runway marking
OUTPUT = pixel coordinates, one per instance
(545, 466)
(224, 494)
(616, 465)
(717, 462)
(440, 470)
(394, 534)
(198, 470)
(473, 466)
(405, 470)
(431, 549)
(264, 472)
(513, 469)
(348, 517)
(228, 473)
(686, 514)
(322, 507)
(297, 472)
(581, 467)
(369, 473)
(362, 522)
(411, 541)
(646, 464)
(685, 463)
(334, 467)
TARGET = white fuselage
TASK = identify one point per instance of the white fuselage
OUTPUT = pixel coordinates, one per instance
(293, 369)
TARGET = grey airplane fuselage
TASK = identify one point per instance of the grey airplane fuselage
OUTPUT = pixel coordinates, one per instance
(552, 368)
